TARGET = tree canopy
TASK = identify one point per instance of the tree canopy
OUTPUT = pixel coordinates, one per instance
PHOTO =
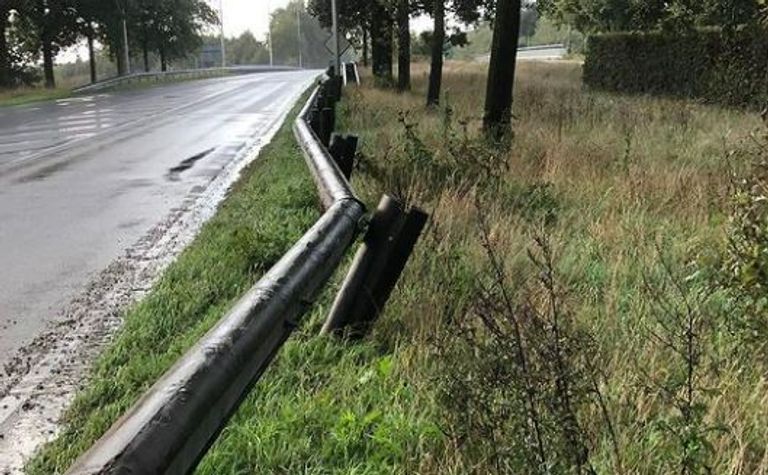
(38, 29)
(639, 15)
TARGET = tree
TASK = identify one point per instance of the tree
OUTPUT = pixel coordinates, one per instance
(361, 20)
(88, 16)
(592, 16)
(381, 39)
(403, 45)
(436, 65)
(245, 49)
(466, 11)
(50, 26)
(529, 20)
(6, 7)
(501, 72)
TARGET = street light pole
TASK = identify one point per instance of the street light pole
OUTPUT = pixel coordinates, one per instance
(126, 53)
(298, 21)
(269, 34)
(335, 26)
(221, 34)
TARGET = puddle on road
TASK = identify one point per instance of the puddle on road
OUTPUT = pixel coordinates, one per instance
(186, 164)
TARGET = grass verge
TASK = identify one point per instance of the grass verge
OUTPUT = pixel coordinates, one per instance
(29, 95)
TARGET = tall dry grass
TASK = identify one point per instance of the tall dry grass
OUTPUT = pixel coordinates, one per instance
(622, 188)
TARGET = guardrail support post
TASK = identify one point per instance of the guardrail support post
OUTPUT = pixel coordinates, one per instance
(377, 266)
(327, 124)
(314, 120)
(343, 149)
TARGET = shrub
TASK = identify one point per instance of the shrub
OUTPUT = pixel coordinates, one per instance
(718, 66)
(745, 265)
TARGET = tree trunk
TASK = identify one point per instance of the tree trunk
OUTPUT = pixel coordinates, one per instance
(381, 42)
(92, 57)
(438, 43)
(365, 47)
(163, 61)
(145, 52)
(5, 60)
(501, 71)
(403, 46)
(50, 81)
(119, 58)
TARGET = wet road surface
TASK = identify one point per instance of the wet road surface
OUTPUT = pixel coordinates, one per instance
(82, 179)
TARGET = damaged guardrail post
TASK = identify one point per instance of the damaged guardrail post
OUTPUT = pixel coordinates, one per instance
(378, 264)
(343, 150)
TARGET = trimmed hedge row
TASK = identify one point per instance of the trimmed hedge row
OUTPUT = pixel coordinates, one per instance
(728, 68)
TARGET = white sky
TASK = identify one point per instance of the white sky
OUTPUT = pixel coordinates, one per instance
(242, 15)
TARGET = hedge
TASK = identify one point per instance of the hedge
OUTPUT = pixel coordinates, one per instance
(716, 66)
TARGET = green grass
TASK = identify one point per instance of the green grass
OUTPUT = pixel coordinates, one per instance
(29, 95)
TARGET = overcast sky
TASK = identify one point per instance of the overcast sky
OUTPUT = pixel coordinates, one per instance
(242, 15)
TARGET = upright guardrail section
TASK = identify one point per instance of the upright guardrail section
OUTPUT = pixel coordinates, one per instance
(174, 423)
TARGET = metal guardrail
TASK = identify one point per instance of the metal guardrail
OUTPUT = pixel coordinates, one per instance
(174, 423)
(541, 47)
(138, 78)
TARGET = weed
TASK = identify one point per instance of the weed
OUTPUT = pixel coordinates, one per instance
(684, 327)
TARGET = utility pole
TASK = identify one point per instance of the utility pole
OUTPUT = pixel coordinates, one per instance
(298, 21)
(221, 34)
(126, 53)
(269, 34)
(335, 26)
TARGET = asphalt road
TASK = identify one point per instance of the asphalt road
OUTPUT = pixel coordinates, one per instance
(82, 179)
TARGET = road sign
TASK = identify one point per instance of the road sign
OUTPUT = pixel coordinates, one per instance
(329, 45)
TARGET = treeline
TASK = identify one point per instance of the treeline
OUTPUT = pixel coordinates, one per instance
(599, 16)
(385, 26)
(292, 44)
(35, 30)
(709, 49)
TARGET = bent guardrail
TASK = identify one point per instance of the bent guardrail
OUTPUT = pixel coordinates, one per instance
(174, 423)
